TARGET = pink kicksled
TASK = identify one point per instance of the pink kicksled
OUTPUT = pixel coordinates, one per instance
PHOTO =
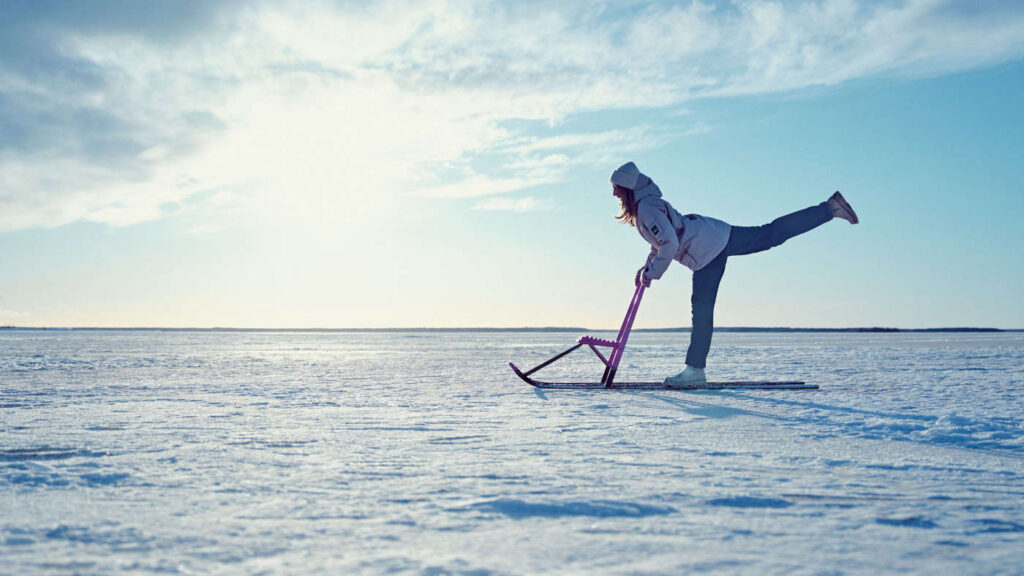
(611, 363)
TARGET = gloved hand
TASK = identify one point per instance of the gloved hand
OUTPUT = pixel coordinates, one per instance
(641, 277)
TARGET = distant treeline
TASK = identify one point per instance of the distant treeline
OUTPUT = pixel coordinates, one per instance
(523, 329)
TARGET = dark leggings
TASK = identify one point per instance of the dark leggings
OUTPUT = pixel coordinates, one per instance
(742, 240)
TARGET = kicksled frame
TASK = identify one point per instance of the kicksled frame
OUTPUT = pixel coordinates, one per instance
(611, 363)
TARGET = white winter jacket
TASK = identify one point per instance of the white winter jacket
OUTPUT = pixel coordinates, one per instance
(693, 240)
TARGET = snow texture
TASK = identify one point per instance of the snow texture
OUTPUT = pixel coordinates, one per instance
(421, 453)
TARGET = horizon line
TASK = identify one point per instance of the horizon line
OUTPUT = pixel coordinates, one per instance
(863, 329)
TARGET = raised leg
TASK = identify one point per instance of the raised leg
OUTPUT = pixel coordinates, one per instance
(750, 239)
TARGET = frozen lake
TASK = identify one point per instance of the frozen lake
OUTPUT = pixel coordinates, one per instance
(421, 453)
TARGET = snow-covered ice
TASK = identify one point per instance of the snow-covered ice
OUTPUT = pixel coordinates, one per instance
(263, 452)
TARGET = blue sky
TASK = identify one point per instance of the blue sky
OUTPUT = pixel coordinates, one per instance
(335, 164)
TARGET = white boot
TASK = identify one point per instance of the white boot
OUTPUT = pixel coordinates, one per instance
(841, 208)
(691, 377)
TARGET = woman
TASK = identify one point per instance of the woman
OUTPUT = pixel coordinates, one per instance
(703, 245)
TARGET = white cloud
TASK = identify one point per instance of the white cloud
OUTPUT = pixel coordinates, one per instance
(12, 315)
(528, 204)
(483, 186)
(594, 149)
(698, 129)
(629, 138)
(321, 111)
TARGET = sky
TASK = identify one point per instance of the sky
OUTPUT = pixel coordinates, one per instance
(446, 163)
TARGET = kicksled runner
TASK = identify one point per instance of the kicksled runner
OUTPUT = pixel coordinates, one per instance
(611, 363)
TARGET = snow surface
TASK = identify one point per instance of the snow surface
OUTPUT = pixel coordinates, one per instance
(421, 453)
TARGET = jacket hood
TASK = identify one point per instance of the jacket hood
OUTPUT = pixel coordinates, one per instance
(626, 176)
(629, 176)
(645, 187)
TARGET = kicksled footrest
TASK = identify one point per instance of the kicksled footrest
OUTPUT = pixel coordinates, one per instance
(596, 341)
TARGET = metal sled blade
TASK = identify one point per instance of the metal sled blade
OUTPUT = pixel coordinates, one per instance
(736, 385)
